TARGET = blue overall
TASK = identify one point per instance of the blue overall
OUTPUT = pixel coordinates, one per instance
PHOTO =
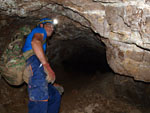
(43, 97)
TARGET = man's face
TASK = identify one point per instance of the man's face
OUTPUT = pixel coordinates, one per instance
(49, 28)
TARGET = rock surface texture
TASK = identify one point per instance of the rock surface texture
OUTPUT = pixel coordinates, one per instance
(123, 24)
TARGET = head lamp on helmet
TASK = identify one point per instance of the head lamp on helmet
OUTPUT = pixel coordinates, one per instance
(45, 20)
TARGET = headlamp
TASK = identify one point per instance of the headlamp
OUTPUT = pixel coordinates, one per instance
(55, 21)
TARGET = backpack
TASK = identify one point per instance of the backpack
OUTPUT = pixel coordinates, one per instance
(12, 61)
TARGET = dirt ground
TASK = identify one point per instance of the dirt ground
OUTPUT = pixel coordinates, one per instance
(96, 94)
(84, 93)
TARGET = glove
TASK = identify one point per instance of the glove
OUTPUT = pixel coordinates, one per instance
(50, 73)
(59, 88)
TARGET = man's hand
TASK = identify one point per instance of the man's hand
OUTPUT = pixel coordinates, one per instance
(50, 73)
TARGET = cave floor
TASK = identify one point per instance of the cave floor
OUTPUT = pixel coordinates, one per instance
(84, 93)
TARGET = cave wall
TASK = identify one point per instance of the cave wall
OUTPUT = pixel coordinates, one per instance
(123, 24)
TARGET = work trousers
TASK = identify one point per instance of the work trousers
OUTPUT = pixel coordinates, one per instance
(43, 97)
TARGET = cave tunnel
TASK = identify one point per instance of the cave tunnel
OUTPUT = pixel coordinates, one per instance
(78, 56)
(81, 51)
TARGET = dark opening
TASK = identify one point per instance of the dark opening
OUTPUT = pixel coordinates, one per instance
(77, 50)
(86, 60)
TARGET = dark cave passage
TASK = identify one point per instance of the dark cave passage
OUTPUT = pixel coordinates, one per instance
(83, 52)
(86, 60)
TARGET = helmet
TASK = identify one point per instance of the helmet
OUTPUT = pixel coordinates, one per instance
(45, 20)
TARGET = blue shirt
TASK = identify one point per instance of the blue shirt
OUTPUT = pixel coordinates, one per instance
(27, 46)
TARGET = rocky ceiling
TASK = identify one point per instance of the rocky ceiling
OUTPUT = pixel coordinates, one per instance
(123, 25)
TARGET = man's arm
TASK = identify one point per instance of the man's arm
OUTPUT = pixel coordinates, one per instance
(39, 52)
(37, 47)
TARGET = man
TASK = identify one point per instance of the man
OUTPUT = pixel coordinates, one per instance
(43, 97)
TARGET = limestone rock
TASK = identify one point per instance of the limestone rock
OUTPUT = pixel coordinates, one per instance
(128, 59)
